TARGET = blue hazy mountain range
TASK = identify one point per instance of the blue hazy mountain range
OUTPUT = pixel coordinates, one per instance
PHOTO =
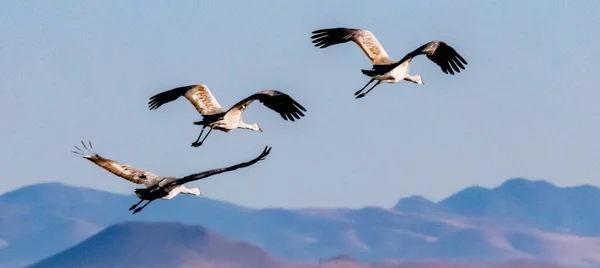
(520, 219)
(161, 244)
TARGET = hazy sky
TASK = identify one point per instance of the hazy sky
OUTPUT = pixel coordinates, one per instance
(526, 106)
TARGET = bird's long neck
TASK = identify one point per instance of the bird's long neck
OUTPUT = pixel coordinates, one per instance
(411, 78)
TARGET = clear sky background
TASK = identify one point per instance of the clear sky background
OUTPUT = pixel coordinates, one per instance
(526, 106)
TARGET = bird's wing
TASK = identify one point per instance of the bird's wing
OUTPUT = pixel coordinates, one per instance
(364, 38)
(277, 101)
(437, 51)
(202, 175)
(124, 171)
(199, 95)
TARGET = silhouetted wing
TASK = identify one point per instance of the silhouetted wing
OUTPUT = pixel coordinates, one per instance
(198, 95)
(277, 101)
(124, 171)
(205, 174)
(437, 51)
(363, 38)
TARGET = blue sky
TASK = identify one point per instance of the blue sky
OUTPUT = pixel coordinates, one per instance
(526, 106)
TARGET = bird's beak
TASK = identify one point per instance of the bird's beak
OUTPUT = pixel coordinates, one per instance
(260, 129)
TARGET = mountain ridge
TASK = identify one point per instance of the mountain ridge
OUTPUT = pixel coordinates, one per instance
(509, 223)
(171, 244)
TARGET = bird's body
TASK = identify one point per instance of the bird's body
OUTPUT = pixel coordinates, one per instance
(157, 187)
(160, 191)
(133, 174)
(384, 69)
(215, 117)
(166, 192)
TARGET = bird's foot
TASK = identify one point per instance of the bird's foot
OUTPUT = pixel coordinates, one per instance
(360, 95)
(132, 207)
(137, 210)
(357, 92)
(196, 143)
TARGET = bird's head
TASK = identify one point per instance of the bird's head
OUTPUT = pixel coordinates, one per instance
(256, 127)
(419, 80)
(196, 191)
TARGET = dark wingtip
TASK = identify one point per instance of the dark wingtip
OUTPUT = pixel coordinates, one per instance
(299, 106)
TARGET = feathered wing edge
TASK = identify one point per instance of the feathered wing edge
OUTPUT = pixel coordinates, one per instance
(438, 52)
(81, 153)
(275, 100)
(127, 172)
(205, 174)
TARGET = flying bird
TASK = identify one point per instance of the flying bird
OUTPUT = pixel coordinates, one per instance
(384, 68)
(164, 188)
(129, 172)
(156, 186)
(215, 117)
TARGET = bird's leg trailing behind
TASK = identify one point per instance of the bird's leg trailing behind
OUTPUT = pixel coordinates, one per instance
(358, 92)
(135, 205)
(363, 94)
(140, 208)
(199, 142)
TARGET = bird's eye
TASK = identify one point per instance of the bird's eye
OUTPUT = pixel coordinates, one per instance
(143, 176)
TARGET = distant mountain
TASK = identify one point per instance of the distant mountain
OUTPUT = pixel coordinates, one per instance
(537, 204)
(415, 204)
(138, 244)
(149, 245)
(38, 220)
(519, 219)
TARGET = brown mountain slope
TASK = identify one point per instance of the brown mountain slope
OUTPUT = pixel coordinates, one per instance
(142, 244)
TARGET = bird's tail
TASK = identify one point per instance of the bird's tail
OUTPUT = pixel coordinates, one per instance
(87, 153)
(209, 118)
(380, 69)
(370, 73)
(141, 192)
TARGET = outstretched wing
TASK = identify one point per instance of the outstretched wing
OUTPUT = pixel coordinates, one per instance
(124, 171)
(277, 101)
(202, 175)
(199, 95)
(437, 51)
(363, 38)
